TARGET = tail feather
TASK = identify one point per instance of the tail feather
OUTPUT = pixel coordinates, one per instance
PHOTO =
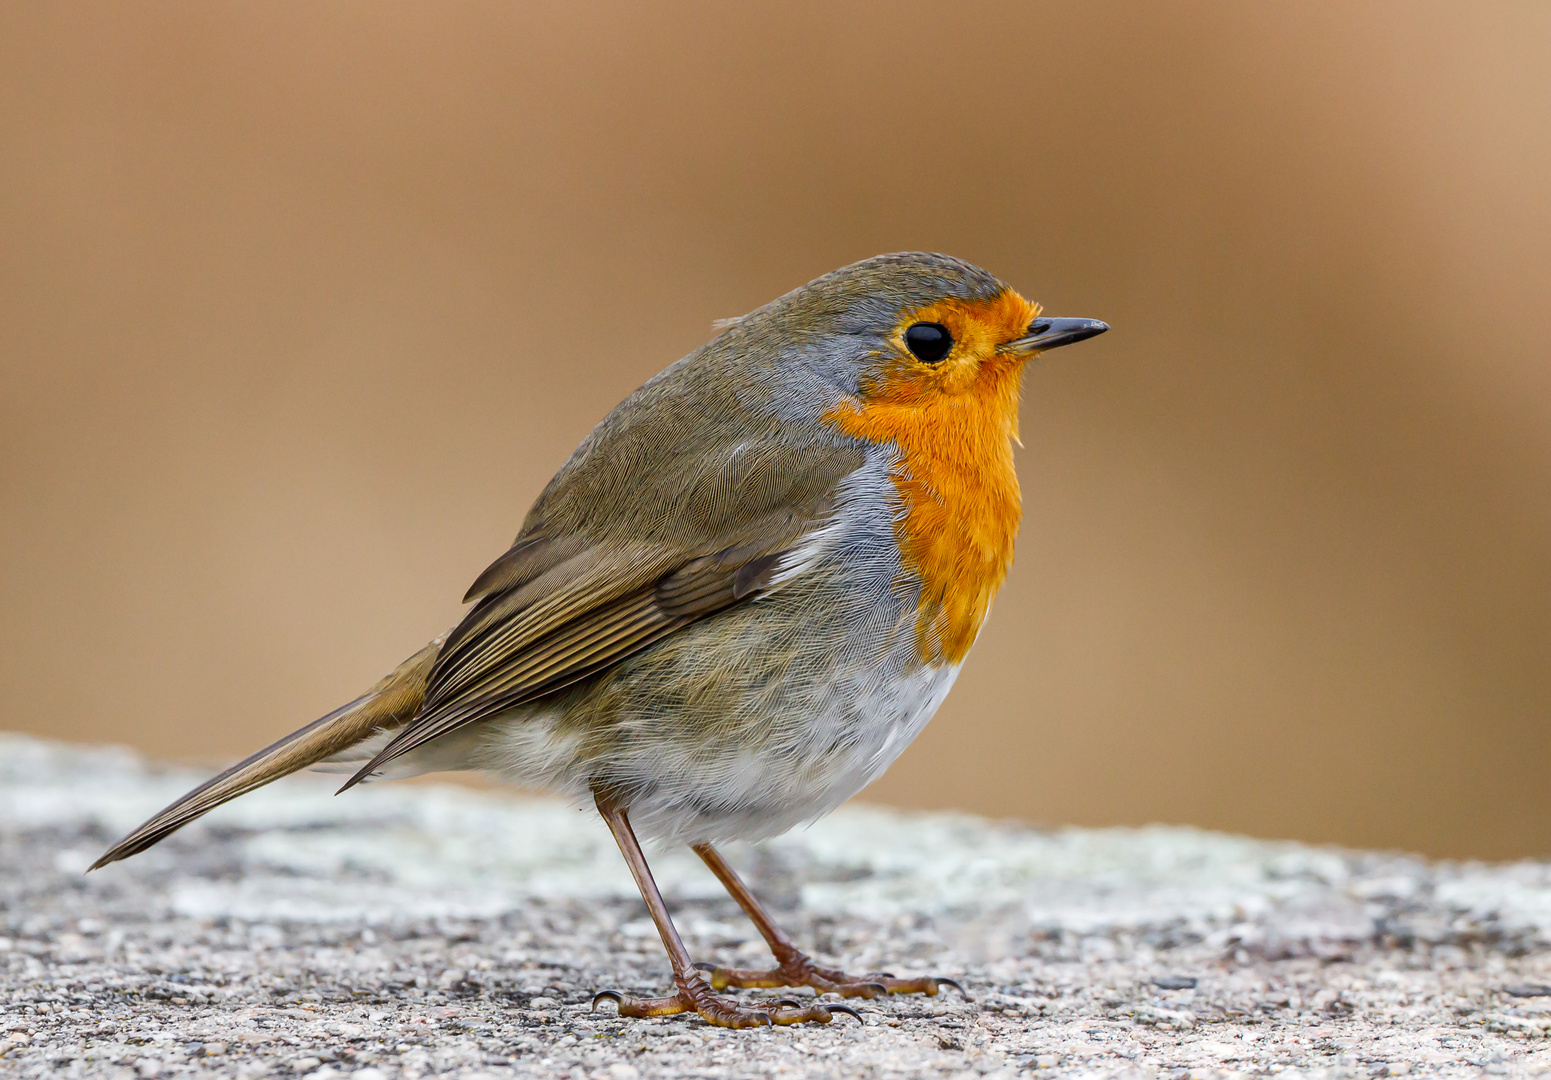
(388, 705)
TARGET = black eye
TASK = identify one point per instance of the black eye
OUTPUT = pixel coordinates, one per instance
(928, 341)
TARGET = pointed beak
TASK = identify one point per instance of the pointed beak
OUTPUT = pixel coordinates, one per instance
(1052, 334)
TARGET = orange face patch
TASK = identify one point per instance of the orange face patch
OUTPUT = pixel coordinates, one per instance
(954, 423)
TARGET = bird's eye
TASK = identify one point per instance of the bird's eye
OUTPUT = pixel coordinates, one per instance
(928, 342)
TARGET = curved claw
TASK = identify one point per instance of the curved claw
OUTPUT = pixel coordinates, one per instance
(617, 996)
(769, 1020)
(789, 1002)
(704, 965)
(847, 1010)
(879, 990)
(941, 982)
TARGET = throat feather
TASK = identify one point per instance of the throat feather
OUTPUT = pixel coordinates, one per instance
(959, 499)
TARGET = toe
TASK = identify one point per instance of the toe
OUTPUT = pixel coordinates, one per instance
(812, 1014)
(941, 982)
(848, 1011)
(616, 996)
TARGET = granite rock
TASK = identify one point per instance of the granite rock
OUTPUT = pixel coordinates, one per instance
(418, 930)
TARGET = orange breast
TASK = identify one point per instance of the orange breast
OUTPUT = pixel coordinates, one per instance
(954, 425)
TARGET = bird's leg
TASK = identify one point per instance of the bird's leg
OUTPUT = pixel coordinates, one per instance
(694, 993)
(795, 967)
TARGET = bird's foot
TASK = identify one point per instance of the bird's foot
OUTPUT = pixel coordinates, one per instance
(799, 970)
(695, 995)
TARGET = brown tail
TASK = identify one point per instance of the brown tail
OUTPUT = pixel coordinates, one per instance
(391, 703)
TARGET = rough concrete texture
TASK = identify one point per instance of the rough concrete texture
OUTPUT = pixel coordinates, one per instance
(407, 931)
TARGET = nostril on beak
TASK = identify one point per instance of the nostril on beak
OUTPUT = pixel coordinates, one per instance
(1046, 334)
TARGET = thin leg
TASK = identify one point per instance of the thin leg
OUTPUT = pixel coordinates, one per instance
(795, 967)
(694, 994)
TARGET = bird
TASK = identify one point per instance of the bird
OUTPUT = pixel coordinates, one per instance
(741, 597)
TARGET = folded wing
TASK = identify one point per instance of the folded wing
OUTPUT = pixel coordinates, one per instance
(550, 615)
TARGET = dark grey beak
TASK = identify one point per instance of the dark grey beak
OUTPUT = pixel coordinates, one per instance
(1053, 333)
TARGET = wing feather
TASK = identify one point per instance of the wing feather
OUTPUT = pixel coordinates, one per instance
(516, 620)
(553, 612)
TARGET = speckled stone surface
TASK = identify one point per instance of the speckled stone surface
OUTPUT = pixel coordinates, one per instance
(408, 931)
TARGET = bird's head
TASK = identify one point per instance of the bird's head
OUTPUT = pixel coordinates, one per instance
(916, 329)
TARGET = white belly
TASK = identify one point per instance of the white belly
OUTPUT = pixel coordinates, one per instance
(747, 793)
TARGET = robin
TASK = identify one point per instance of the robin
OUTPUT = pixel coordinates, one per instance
(736, 603)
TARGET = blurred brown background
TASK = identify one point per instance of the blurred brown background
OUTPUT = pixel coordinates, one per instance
(300, 306)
